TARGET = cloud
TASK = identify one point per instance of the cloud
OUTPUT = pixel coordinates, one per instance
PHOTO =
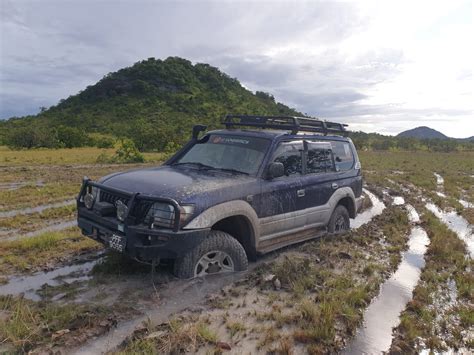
(380, 67)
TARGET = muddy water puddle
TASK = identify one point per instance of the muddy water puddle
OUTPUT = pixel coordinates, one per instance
(457, 224)
(398, 201)
(375, 334)
(37, 209)
(365, 217)
(29, 285)
(466, 204)
(50, 228)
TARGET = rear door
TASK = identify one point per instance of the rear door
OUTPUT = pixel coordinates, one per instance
(318, 182)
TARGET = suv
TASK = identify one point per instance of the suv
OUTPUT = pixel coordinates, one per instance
(259, 184)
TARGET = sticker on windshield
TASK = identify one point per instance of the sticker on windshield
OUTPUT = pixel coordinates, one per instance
(228, 140)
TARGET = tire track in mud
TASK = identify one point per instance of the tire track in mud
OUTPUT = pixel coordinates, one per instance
(37, 209)
(28, 285)
(365, 217)
(53, 227)
(453, 220)
(382, 315)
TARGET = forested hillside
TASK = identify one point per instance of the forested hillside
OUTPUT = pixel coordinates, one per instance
(156, 102)
(153, 102)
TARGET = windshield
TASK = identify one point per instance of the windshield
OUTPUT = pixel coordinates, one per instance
(235, 153)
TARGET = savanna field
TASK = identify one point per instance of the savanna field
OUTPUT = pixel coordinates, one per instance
(60, 291)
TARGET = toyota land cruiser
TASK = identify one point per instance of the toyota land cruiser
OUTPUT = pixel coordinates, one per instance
(229, 195)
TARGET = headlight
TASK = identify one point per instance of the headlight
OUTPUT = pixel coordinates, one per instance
(122, 210)
(162, 215)
(90, 196)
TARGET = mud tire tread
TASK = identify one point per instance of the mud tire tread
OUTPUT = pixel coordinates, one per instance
(216, 240)
(339, 210)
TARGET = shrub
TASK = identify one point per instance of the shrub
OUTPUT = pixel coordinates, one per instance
(101, 140)
(126, 152)
(70, 137)
(32, 137)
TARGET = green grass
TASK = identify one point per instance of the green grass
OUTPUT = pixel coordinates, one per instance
(34, 221)
(418, 168)
(29, 196)
(63, 156)
(235, 328)
(33, 253)
(31, 323)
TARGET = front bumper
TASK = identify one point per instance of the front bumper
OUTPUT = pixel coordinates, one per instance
(139, 242)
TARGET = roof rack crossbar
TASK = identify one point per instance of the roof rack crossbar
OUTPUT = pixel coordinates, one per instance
(292, 123)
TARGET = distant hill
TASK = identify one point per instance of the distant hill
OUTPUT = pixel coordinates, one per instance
(422, 132)
(153, 102)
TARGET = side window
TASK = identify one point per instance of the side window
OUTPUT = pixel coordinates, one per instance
(342, 155)
(289, 154)
(319, 158)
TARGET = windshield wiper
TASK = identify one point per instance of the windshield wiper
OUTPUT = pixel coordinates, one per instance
(208, 167)
(200, 165)
(230, 170)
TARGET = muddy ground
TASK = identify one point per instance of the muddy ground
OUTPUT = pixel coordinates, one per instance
(400, 282)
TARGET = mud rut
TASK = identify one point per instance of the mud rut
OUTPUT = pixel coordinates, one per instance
(163, 295)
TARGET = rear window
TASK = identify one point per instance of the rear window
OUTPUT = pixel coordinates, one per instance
(342, 155)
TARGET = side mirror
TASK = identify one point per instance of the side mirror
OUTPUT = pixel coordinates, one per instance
(275, 170)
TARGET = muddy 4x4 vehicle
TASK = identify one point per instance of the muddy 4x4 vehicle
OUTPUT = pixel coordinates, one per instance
(230, 195)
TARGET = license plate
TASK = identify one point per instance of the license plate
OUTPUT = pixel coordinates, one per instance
(117, 242)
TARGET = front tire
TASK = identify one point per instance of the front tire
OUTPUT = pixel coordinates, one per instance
(218, 253)
(339, 222)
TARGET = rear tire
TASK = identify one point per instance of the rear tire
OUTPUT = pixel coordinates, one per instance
(218, 253)
(339, 221)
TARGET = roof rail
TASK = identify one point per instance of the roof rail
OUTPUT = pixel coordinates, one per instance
(293, 123)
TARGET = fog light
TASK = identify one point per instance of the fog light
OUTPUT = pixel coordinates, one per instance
(122, 210)
(89, 200)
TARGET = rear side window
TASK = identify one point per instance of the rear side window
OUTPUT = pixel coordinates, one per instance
(289, 154)
(319, 158)
(342, 155)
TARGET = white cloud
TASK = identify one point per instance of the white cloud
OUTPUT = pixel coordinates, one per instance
(381, 66)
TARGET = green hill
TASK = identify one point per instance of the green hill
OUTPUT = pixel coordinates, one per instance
(153, 102)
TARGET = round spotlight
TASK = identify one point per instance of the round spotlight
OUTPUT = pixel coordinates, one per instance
(89, 200)
(122, 210)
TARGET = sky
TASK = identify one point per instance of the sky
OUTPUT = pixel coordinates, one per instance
(380, 66)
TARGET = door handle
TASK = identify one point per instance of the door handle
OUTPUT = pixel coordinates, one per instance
(334, 185)
(300, 193)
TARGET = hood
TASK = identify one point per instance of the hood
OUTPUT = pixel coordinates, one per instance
(180, 183)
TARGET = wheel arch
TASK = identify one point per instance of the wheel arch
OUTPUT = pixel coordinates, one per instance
(240, 228)
(349, 203)
(236, 218)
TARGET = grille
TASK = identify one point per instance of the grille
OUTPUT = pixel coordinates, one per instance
(106, 196)
(140, 210)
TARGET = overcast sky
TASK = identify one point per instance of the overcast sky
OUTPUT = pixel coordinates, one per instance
(379, 66)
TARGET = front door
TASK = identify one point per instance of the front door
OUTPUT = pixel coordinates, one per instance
(280, 210)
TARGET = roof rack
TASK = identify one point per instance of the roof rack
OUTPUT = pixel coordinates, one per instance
(295, 124)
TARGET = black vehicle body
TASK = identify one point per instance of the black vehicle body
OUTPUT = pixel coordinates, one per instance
(263, 213)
